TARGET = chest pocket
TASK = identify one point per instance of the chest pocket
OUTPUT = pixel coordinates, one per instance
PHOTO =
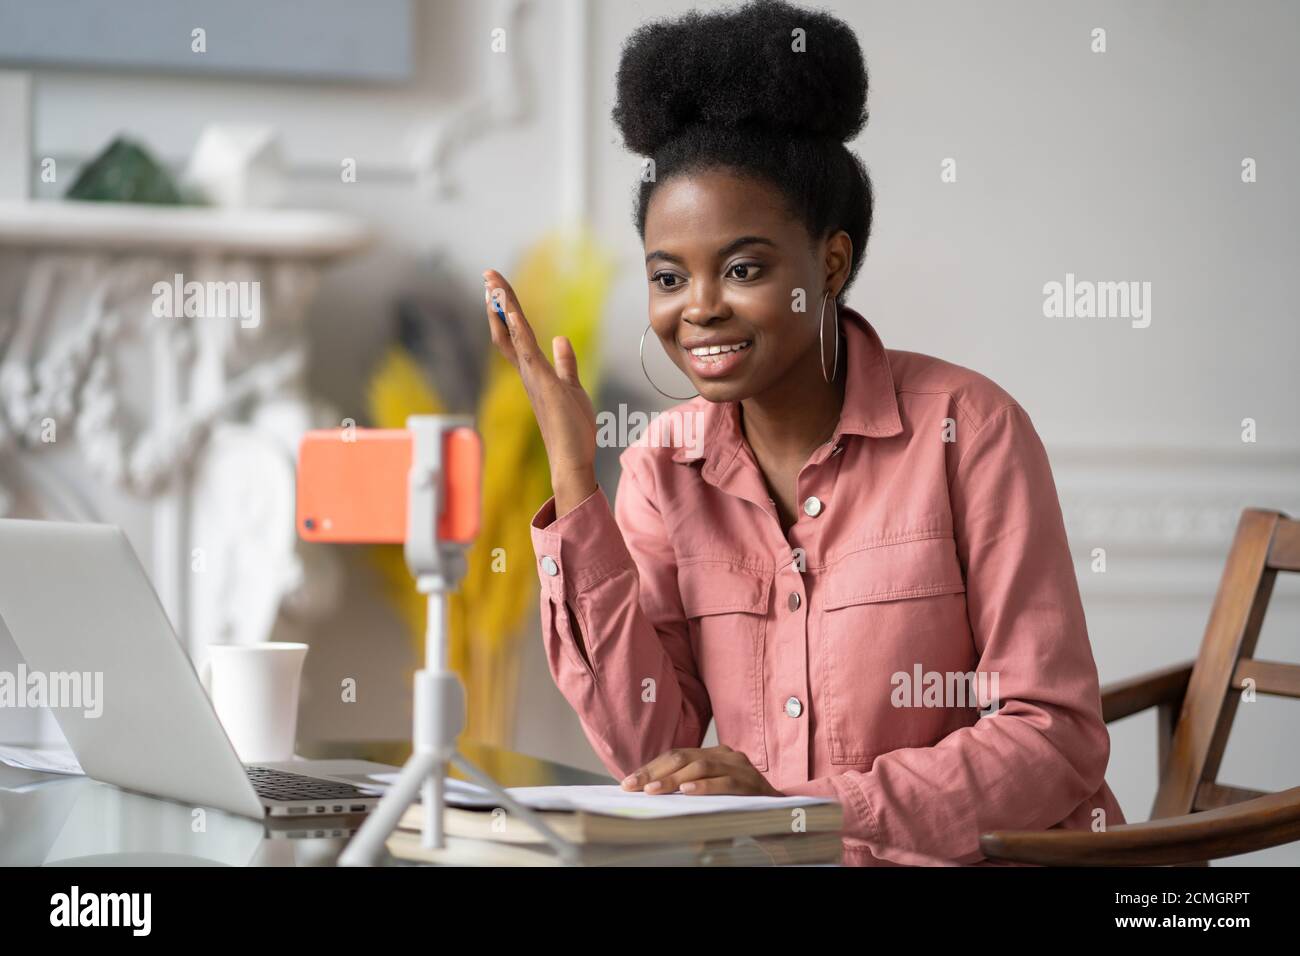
(891, 614)
(726, 608)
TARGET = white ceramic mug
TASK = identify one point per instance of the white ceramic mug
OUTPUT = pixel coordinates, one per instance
(254, 690)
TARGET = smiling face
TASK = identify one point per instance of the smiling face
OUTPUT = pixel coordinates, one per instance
(724, 261)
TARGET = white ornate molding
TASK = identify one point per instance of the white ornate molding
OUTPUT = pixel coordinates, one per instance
(103, 401)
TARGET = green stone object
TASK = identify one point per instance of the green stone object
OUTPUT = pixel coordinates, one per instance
(125, 172)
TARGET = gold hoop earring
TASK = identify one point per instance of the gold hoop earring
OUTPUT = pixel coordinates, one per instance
(675, 398)
(821, 338)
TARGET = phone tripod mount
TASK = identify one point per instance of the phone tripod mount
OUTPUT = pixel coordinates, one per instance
(442, 488)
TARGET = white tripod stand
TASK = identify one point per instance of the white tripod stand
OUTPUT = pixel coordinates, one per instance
(437, 567)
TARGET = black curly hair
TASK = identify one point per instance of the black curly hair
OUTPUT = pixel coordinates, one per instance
(732, 89)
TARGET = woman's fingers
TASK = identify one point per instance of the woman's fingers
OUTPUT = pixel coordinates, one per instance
(566, 362)
(666, 763)
(519, 343)
(724, 783)
(497, 280)
(699, 769)
(499, 330)
(500, 293)
(534, 366)
(561, 406)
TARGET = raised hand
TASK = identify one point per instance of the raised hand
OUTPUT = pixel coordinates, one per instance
(561, 405)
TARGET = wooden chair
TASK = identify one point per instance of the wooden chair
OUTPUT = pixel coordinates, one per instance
(1195, 819)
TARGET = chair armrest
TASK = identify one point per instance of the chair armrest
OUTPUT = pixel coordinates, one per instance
(1134, 694)
(1257, 824)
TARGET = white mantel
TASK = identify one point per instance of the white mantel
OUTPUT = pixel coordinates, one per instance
(103, 226)
(181, 430)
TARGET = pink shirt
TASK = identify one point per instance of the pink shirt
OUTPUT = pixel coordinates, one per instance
(929, 546)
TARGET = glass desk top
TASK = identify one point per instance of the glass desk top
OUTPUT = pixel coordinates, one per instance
(56, 819)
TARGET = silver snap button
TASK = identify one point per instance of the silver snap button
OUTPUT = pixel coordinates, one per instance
(793, 708)
(549, 566)
(794, 600)
(812, 506)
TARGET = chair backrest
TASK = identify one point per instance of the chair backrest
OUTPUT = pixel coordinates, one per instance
(1266, 542)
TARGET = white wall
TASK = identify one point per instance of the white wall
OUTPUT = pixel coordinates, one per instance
(1116, 166)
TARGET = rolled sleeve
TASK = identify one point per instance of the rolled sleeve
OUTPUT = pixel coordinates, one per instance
(585, 545)
(858, 818)
(613, 626)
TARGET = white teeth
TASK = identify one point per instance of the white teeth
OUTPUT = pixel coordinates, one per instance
(718, 349)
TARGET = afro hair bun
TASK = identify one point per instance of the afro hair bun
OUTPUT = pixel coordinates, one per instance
(741, 67)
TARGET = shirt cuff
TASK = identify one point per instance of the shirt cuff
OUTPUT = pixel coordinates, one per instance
(859, 822)
(580, 549)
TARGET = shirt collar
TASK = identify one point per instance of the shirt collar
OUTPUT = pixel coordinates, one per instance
(870, 404)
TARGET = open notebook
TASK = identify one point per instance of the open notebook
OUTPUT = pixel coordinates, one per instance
(609, 814)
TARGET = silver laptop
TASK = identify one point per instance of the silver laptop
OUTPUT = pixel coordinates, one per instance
(76, 600)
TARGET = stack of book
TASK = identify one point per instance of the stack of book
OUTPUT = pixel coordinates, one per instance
(612, 827)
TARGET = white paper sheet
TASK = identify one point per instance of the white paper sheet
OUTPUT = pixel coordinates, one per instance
(48, 759)
(610, 799)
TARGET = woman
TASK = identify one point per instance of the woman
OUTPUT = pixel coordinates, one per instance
(858, 531)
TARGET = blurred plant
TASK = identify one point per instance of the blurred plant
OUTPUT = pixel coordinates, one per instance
(126, 172)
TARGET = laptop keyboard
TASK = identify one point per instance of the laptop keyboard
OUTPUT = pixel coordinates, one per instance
(281, 785)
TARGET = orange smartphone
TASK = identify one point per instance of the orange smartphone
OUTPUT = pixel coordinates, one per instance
(352, 485)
